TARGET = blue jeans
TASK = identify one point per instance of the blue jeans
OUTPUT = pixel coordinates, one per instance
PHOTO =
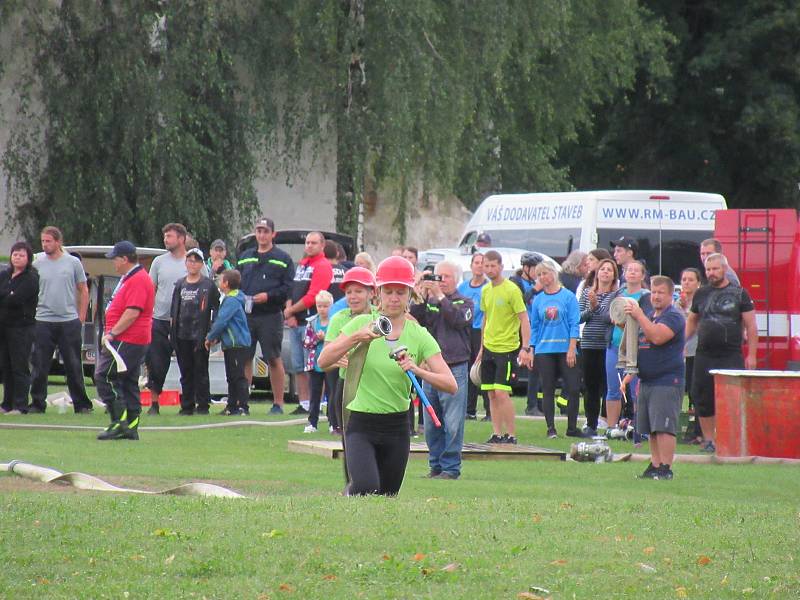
(445, 442)
(612, 379)
(299, 353)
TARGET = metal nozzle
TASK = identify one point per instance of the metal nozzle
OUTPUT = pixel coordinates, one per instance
(382, 326)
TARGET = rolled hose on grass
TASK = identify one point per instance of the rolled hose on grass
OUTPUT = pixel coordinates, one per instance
(82, 481)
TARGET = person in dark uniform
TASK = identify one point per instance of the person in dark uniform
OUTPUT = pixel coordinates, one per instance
(129, 321)
(267, 274)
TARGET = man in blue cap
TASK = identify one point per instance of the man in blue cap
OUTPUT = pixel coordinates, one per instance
(129, 318)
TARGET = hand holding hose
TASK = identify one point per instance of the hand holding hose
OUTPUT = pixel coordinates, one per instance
(400, 354)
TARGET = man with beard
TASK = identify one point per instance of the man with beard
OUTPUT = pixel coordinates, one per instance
(719, 311)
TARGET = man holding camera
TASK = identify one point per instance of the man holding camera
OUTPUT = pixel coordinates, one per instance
(447, 315)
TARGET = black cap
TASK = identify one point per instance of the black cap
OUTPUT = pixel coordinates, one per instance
(626, 242)
(265, 223)
(123, 248)
(483, 238)
(195, 252)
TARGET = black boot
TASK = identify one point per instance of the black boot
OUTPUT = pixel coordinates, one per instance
(120, 430)
(153, 410)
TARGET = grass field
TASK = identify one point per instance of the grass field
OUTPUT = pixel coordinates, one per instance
(506, 529)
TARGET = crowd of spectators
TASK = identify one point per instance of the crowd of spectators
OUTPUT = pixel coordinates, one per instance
(556, 323)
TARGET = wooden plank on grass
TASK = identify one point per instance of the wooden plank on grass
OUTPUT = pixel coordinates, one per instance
(333, 449)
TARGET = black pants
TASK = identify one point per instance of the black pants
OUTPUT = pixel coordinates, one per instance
(15, 358)
(550, 367)
(120, 391)
(238, 387)
(193, 362)
(320, 380)
(533, 390)
(472, 390)
(338, 393)
(376, 451)
(67, 337)
(594, 376)
(158, 357)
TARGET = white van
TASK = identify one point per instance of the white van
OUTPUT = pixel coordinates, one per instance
(666, 225)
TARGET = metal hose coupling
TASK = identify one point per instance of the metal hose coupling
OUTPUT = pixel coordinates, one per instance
(382, 326)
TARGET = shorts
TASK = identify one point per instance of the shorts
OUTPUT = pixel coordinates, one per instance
(496, 370)
(703, 382)
(659, 408)
(266, 329)
(298, 351)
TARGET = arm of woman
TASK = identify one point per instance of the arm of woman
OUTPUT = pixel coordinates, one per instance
(335, 350)
(438, 374)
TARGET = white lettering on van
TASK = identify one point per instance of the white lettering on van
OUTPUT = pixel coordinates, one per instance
(534, 214)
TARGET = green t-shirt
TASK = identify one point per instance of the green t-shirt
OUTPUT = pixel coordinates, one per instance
(339, 320)
(384, 387)
(501, 304)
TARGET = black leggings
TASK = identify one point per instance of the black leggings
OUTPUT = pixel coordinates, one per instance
(376, 451)
(320, 380)
(550, 366)
(594, 376)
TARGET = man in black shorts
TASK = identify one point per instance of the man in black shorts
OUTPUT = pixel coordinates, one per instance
(719, 311)
(267, 273)
(661, 373)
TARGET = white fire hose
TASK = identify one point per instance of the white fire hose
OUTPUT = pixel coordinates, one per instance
(82, 481)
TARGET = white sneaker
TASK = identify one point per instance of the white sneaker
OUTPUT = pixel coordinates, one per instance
(331, 429)
(310, 429)
(601, 423)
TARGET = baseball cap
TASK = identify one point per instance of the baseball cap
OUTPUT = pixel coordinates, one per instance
(483, 238)
(626, 242)
(195, 252)
(123, 248)
(265, 223)
(218, 244)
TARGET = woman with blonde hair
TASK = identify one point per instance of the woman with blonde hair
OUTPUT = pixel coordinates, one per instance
(363, 259)
(554, 337)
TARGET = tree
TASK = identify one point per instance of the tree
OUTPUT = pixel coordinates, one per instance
(460, 96)
(727, 120)
(132, 117)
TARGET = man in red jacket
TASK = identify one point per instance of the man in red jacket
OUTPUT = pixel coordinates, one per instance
(313, 274)
(129, 319)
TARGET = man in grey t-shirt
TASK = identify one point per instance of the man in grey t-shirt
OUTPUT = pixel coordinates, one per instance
(165, 271)
(63, 300)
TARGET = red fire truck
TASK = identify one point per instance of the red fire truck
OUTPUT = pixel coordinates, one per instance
(763, 247)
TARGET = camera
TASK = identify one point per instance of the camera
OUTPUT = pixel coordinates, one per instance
(431, 277)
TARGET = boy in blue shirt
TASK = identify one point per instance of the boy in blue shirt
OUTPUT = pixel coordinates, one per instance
(230, 328)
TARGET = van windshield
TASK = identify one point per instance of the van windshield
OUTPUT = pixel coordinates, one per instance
(556, 243)
(680, 250)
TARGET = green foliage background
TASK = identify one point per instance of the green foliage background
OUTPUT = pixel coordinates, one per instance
(124, 126)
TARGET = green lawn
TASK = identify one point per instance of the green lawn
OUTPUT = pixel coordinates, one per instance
(577, 530)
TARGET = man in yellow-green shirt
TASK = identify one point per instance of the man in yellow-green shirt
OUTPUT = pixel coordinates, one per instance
(505, 322)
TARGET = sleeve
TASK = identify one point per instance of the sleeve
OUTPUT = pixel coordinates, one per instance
(695, 308)
(534, 318)
(176, 302)
(27, 292)
(225, 314)
(584, 307)
(573, 315)
(746, 303)
(335, 326)
(517, 303)
(482, 302)
(456, 313)
(428, 346)
(320, 280)
(355, 324)
(284, 289)
(80, 274)
(154, 271)
(419, 312)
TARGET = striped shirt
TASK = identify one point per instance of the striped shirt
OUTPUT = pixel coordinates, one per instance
(597, 321)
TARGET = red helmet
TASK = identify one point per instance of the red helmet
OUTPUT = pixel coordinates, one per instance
(395, 269)
(358, 275)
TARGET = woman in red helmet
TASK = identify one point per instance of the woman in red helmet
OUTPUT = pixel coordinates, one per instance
(359, 286)
(377, 439)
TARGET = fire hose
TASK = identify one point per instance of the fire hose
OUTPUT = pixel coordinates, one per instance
(82, 481)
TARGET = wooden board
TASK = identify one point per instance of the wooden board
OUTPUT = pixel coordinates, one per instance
(333, 449)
